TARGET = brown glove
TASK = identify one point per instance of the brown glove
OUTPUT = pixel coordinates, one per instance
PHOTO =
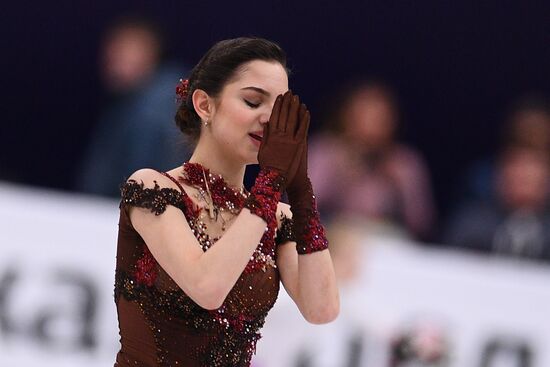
(283, 137)
(306, 223)
(278, 157)
(297, 187)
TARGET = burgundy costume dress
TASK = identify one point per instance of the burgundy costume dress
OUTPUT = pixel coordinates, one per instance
(159, 324)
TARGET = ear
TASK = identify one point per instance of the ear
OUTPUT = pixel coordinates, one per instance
(203, 104)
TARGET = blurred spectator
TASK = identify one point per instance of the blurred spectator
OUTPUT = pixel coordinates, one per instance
(517, 220)
(528, 125)
(136, 128)
(358, 167)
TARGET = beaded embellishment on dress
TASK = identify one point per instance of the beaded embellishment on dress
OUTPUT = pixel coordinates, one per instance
(226, 199)
(184, 333)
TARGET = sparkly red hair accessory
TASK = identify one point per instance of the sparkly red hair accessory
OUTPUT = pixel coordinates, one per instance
(182, 90)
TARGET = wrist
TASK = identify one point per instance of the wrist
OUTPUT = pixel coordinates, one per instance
(299, 194)
(265, 194)
(309, 232)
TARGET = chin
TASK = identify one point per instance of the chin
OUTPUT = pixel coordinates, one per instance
(251, 157)
(252, 161)
(248, 158)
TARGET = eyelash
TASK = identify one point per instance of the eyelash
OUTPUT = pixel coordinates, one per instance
(251, 105)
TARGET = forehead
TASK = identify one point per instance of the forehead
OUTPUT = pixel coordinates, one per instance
(270, 76)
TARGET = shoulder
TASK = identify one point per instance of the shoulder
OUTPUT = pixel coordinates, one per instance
(148, 188)
(150, 177)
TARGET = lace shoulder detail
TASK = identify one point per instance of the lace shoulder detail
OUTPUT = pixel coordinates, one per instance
(156, 199)
(285, 232)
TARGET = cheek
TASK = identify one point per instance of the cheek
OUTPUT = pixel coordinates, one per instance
(238, 120)
(233, 124)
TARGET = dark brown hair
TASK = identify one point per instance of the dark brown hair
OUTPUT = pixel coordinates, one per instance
(216, 68)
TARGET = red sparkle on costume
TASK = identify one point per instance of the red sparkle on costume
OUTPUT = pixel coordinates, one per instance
(146, 269)
(221, 194)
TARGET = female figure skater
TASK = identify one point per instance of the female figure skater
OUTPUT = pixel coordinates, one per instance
(199, 258)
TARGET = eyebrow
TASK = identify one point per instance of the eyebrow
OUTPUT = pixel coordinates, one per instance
(259, 90)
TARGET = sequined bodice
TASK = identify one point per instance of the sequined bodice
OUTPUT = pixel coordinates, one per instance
(159, 324)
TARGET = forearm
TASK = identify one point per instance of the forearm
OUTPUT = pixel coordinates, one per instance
(223, 264)
(219, 268)
(317, 293)
(206, 276)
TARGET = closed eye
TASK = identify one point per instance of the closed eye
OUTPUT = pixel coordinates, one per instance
(251, 105)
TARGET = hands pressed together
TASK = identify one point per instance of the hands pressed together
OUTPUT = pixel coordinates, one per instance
(284, 143)
(284, 150)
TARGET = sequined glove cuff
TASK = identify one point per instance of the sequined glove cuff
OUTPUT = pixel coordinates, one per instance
(308, 230)
(265, 194)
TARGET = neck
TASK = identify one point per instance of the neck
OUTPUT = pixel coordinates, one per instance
(219, 163)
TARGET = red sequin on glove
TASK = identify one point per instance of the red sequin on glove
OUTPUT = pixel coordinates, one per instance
(307, 227)
(313, 238)
(265, 195)
(262, 201)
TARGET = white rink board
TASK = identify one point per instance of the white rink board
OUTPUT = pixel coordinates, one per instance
(59, 251)
(57, 309)
(475, 300)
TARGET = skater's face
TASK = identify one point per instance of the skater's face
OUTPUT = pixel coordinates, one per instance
(244, 106)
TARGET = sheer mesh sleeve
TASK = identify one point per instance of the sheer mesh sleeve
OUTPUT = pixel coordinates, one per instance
(285, 232)
(156, 199)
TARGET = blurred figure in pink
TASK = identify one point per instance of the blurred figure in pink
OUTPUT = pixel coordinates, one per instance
(359, 168)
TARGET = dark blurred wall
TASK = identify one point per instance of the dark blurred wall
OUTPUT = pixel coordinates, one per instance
(456, 66)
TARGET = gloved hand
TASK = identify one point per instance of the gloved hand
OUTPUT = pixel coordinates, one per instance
(284, 136)
(298, 188)
(306, 223)
(278, 157)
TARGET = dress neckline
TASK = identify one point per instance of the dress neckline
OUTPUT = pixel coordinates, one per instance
(214, 186)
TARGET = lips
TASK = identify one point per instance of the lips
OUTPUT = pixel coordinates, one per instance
(254, 136)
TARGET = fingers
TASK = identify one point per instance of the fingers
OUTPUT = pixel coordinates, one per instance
(289, 115)
(293, 120)
(304, 123)
(274, 118)
(301, 116)
(283, 115)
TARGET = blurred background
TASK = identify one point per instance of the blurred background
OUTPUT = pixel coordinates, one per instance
(429, 153)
